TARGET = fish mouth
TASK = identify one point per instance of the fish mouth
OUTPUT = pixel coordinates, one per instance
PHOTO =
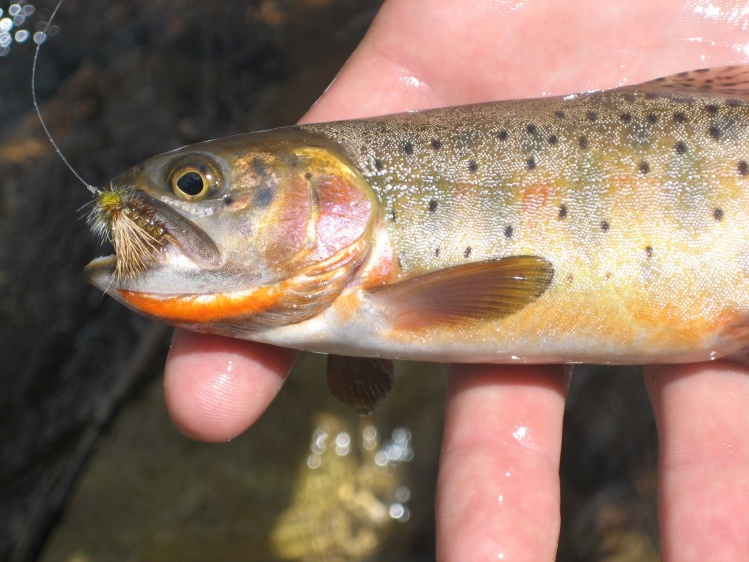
(190, 239)
(147, 235)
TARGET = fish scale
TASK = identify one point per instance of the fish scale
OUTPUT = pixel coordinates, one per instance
(606, 227)
(628, 141)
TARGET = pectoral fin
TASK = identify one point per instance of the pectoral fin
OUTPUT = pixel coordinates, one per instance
(360, 382)
(468, 293)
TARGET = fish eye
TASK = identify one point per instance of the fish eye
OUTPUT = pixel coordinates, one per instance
(194, 179)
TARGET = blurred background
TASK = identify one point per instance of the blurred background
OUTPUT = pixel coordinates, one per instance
(90, 466)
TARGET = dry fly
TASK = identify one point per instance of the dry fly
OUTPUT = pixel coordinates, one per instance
(119, 215)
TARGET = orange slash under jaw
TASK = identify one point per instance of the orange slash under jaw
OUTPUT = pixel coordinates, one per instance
(204, 308)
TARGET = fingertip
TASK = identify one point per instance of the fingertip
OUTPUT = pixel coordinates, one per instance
(216, 387)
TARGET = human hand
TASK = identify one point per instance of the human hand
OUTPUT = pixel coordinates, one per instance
(498, 494)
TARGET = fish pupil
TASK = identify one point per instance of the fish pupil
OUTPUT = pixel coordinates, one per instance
(190, 183)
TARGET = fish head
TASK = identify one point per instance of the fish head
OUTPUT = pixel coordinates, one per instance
(253, 230)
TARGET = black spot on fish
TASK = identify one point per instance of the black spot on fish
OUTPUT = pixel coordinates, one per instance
(680, 147)
(625, 117)
(560, 114)
(432, 205)
(630, 96)
(437, 252)
(436, 144)
(531, 163)
(605, 226)
(714, 132)
(259, 167)
(652, 118)
(263, 197)
(592, 116)
(650, 95)
(473, 166)
(393, 215)
(562, 211)
(582, 142)
(644, 167)
(508, 231)
(467, 252)
(711, 108)
(502, 135)
(228, 200)
(718, 214)
(408, 147)
(608, 275)
(553, 140)
(733, 102)
(308, 175)
(743, 167)
(649, 251)
(378, 164)
(680, 117)
(531, 128)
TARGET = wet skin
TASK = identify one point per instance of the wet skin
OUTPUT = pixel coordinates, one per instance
(503, 426)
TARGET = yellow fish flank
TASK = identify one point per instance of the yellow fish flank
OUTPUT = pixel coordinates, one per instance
(608, 226)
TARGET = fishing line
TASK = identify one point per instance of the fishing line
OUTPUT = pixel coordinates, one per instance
(39, 38)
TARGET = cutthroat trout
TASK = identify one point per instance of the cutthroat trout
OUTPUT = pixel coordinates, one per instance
(602, 227)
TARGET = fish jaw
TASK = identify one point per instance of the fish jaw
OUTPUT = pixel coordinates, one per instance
(157, 247)
(179, 289)
(205, 308)
(171, 273)
(150, 293)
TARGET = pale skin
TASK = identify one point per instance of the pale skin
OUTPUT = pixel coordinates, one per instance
(446, 52)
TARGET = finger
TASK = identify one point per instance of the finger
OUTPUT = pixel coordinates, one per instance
(217, 387)
(702, 412)
(498, 487)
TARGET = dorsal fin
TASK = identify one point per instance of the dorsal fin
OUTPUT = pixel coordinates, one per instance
(729, 81)
(466, 293)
